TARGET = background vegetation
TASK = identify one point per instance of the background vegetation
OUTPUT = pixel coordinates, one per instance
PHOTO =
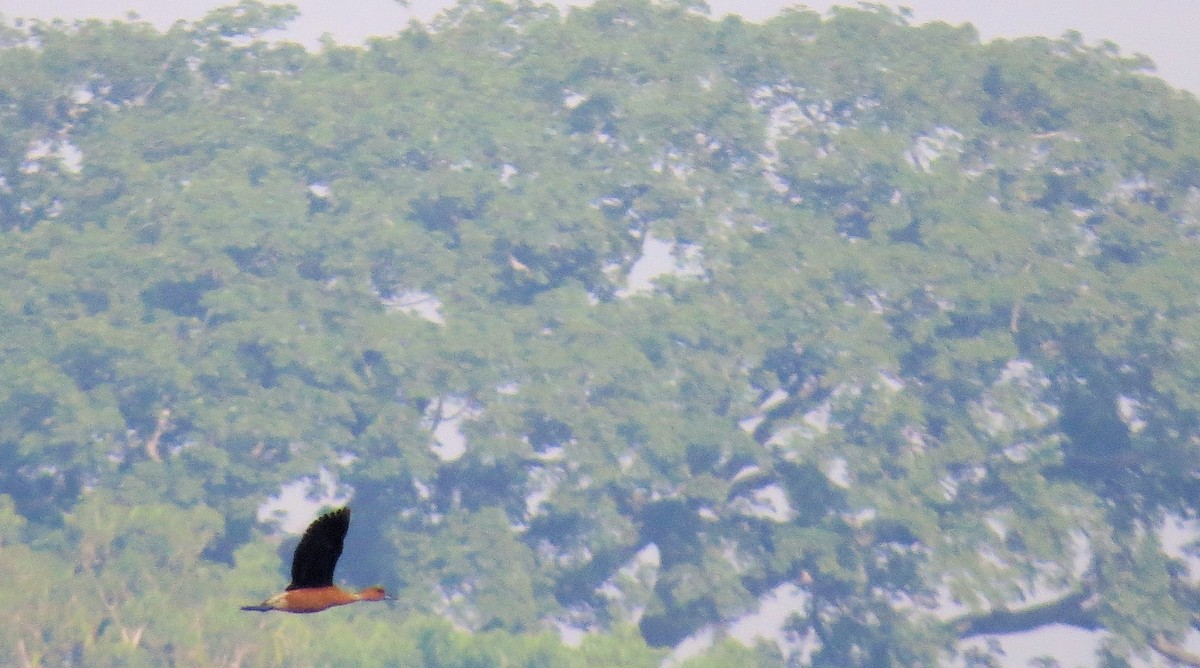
(929, 361)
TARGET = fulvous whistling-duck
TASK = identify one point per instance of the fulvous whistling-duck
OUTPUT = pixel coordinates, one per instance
(312, 588)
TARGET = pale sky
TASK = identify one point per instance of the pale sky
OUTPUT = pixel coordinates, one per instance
(1166, 30)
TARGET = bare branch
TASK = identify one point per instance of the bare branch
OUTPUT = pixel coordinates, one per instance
(164, 423)
(1073, 610)
(1176, 653)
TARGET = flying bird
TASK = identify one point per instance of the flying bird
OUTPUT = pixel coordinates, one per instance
(312, 588)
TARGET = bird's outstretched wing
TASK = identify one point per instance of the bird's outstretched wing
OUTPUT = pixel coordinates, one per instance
(319, 549)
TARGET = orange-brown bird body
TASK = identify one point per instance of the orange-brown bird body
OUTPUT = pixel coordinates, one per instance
(312, 588)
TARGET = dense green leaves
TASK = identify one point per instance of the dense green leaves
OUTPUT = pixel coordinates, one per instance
(926, 357)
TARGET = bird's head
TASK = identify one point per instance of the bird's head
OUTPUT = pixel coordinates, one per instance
(374, 593)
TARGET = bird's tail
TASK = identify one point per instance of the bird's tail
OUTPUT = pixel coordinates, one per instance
(258, 608)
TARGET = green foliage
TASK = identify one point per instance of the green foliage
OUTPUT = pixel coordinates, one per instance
(934, 345)
(731, 653)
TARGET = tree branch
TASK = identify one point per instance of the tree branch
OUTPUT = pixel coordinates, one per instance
(164, 423)
(26, 662)
(1176, 653)
(1073, 610)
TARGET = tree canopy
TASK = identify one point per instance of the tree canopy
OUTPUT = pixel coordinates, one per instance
(924, 349)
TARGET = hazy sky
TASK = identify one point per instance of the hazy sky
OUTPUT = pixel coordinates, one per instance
(1165, 30)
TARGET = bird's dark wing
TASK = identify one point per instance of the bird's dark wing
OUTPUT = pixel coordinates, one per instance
(319, 549)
